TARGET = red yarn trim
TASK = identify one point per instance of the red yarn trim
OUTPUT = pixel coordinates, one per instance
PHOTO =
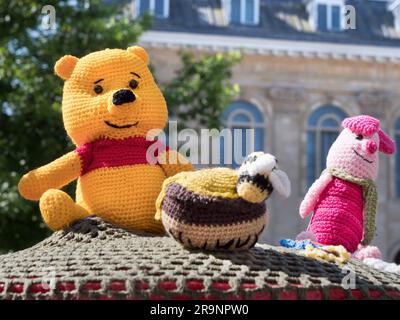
(220, 286)
(105, 297)
(288, 295)
(374, 293)
(182, 297)
(248, 286)
(39, 288)
(167, 285)
(142, 286)
(357, 294)
(209, 297)
(65, 286)
(393, 293)
(337, 294)
(314, 294)
(17, 288)
(156, 297)
(261, 296)
(272, 284)
(92, 285)
(195, 285)
(234, 297)
(117, 285)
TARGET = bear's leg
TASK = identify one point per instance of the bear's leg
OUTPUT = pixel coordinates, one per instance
(59, 210)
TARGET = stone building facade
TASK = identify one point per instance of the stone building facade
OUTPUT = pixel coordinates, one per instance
(297, 86)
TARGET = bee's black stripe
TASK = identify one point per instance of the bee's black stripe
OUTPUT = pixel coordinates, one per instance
(259, 180)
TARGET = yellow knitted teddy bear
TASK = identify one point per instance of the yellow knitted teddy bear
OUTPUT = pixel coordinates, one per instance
(110, 102)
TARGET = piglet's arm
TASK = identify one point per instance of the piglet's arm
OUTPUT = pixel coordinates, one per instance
(311, 198)
(54, 175)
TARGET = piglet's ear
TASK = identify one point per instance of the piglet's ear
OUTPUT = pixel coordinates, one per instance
(65, 65)
(140, 52)
(386, 144)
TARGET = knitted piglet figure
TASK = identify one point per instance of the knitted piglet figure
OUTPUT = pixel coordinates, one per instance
(344, 198)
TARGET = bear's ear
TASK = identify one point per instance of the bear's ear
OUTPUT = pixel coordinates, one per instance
(140, 52)
(65, 65)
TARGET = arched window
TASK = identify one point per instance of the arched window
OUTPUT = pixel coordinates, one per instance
(323, 129)
(243, 115)
(397, 135)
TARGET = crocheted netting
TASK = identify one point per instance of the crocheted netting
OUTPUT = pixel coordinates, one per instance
(95, 260)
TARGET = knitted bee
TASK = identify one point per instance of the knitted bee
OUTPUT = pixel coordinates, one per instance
(221, 208)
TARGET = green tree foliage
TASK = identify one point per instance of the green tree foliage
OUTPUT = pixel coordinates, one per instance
(31, 130)
(201, 89)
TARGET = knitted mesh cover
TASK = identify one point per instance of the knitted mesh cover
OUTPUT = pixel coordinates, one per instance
(94, 260)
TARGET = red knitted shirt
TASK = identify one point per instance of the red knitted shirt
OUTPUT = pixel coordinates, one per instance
(104, 153)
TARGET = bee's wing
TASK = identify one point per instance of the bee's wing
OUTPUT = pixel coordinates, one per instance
(280, 182)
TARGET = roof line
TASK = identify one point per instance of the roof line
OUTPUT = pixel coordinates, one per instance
(275, 47)
(392, 6)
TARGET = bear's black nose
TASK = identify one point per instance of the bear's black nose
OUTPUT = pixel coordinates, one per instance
(123, 96)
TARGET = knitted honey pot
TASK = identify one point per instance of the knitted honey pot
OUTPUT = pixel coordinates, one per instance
(110, 103)
(221, 208)
(344, 198)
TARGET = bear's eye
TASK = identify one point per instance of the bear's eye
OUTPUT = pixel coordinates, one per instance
(98, 89)
(359, 137)
(133, 84)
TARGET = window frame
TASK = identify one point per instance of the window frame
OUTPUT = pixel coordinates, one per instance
(318, 129)
(152, 8)
(313, 8)
(227, 4)
(257, 121)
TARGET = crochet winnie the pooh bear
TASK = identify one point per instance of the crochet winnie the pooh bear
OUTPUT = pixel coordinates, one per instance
(110, 103)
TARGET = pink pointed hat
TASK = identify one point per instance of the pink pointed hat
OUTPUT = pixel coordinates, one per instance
(367, 126)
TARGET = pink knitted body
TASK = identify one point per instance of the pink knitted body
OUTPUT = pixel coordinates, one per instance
(338, 215)
(338, 205)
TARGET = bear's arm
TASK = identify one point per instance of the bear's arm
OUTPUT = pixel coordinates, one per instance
(172, 162)
(54, 175)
